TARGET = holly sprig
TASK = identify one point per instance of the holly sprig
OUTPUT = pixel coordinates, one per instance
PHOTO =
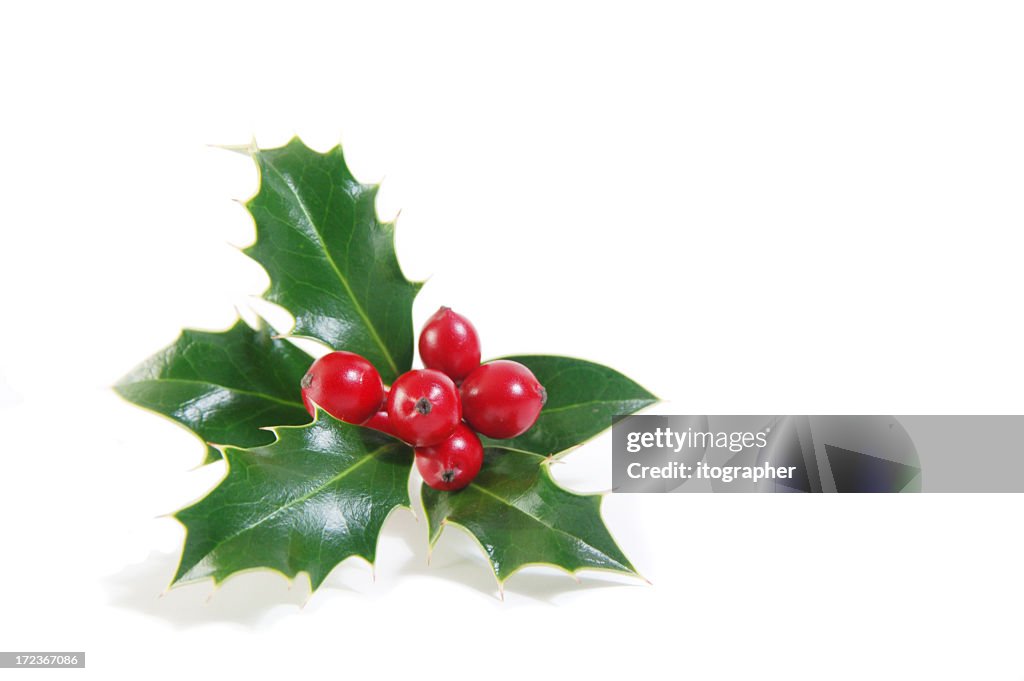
(302, 495)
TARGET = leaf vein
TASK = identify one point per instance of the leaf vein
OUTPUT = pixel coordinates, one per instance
(334, 266)
(571, 537)
(241, 391)
(299, 500)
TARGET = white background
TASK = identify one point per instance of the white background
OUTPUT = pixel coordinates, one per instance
(747, 207)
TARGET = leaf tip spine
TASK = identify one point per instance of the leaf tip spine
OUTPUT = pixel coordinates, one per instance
(243, 149)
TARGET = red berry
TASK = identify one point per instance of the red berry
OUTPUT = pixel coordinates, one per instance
(449, 344)
(452, 464)
(381, 422)
(345, 385)
(423, 407)
(502, 399)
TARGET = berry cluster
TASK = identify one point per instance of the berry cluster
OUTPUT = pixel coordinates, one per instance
(438, 410)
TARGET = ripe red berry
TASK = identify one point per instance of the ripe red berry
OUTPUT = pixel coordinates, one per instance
(452, 464)
(423, 407)
(449, 344)
(502, 399)
(345, 385)
(381, 422)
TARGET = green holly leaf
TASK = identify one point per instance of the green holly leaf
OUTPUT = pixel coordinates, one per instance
(514, 509)
(520, 516)
(303, 498)
(223, 386)
(316, 496)
(331, 261)
(582, 399)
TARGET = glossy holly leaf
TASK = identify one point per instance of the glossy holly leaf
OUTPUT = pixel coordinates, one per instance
(520, 516)
(316, 496)
(223, 386)
(582, 399)
(331, 261)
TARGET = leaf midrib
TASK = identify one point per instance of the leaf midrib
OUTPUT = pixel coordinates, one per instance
(294, 502)
(334, 266)
(489, 493)
(242, 391)
(565, 407)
